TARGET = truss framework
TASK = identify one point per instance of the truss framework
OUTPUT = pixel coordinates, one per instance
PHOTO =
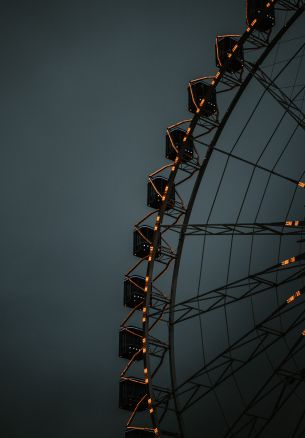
(204, 131)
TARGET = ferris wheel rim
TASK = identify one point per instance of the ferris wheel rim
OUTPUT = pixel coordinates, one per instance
(193, 195)
(193, 123)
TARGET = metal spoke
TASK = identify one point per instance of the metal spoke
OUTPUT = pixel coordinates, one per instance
(274, 90)
(284, 382)
(288, 228)
(258, 340)
(245, 287)
(250, 163)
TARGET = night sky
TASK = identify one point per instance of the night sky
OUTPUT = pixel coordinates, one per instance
(87, 91)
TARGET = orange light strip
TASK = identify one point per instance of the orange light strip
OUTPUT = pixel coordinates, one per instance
(130, 362)
(193, 99)
(293, 297)
(129, 330)
(203, 78)
(135, 410)
(130, 315)
(146, 429)
(288, 261)
(229, 35)
(144, 314)
(292, 223)
(179, 123)
(132, 379)
(151, 213)
(144, 345)
(166, 166)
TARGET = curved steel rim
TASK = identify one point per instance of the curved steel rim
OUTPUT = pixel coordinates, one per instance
(188, 212)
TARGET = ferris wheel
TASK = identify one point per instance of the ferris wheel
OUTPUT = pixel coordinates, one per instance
(213, 342)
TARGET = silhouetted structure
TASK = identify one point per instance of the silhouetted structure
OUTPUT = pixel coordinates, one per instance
(132, 392)
(184, 149)
(265, 21)
(142, 241)
(134, 295)
(198, 90)
(130, 343)
(232, 61)
(190, 149)
(155, 191)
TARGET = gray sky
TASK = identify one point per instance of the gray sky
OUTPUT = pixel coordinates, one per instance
(87, 91)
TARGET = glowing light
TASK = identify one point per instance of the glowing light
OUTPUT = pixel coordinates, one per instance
(301, 184)
(293, 297)
(292, 223)
(287, 261)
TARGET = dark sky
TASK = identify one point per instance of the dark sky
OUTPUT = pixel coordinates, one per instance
(87, 91)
